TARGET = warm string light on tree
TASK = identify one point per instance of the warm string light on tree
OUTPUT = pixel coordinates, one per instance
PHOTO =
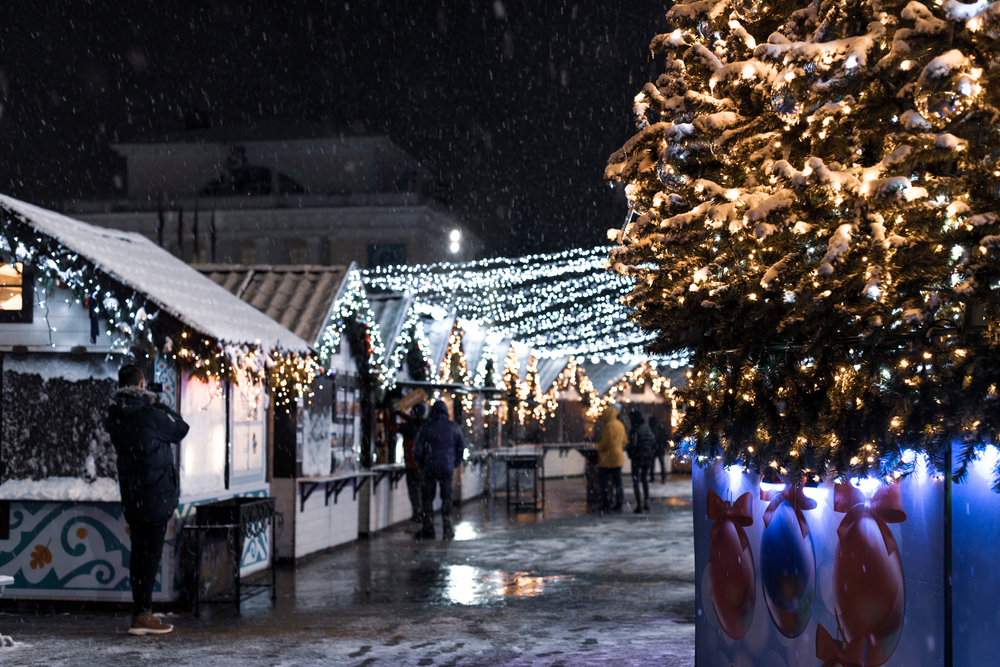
(290, 377)
(455, 369)
(510, 382)
(813, 219)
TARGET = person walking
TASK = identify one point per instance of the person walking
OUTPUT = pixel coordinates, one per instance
(662, 436)
(438, 449)
(414, 484)
(142, 430)
(610, 459)
(641, 445)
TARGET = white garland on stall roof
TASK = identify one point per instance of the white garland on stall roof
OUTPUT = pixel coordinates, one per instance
(130, 316)
(355, 303)
(412, 331)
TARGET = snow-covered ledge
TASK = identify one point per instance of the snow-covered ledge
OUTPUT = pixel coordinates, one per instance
(62, 489)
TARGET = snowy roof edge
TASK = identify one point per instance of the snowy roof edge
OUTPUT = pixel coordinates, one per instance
(237, 322)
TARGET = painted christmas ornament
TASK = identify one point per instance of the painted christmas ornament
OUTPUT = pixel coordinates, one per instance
(788, 560)
(869, 595)
(733, 585)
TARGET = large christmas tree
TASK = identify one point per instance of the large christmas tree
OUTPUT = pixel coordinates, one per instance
(814, 219)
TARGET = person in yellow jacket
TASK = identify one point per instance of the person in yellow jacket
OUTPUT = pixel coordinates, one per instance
(610, 459)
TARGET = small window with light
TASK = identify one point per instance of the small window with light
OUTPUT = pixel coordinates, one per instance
(16, 296)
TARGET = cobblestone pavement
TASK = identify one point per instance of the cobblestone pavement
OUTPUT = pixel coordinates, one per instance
(562, 588)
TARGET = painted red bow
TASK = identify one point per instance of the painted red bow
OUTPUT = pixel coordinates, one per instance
(739, 513)
(795, 496)
(833, 652)
(884, 507)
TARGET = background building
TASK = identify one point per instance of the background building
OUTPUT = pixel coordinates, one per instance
(280, 194)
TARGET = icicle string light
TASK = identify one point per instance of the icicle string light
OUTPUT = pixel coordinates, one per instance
(133, 322)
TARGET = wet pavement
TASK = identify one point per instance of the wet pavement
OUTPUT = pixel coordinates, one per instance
(560, 588)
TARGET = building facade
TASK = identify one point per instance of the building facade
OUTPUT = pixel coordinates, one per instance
(232, 198)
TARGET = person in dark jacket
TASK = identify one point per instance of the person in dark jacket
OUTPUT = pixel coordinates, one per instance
(414, 484)
(662, 435)
(641, 445)
(439, 448)
(142, 430)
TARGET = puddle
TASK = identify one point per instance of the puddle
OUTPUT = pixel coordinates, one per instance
(468, 585)
(466, 530)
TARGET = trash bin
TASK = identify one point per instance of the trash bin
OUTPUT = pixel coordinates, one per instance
(223, 528)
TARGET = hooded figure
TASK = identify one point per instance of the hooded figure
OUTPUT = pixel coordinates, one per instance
(142, 430)
(439, 448)
(440, 444)
(641, 441)
(611, 448)
(641, 447)
(610, 459)
(662, 435)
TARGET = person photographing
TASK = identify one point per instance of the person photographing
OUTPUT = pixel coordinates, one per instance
(142, 430)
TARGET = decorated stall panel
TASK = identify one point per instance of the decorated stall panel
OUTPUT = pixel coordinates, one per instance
(805, 572)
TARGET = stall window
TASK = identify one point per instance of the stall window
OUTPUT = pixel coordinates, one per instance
(203, 452)
(247, 435)
(16, 295)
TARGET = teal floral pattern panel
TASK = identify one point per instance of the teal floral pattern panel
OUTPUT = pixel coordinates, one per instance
(72, 550)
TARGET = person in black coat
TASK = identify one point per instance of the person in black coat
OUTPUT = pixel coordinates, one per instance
(142, 430)
(640, 448)
(414, 483)
(662, 435)
(439, 448)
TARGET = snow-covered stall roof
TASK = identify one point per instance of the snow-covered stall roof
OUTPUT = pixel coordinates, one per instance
(677, 376)
(605, 375)
(474, 343)
(172, 285)
(438, 332)
(390, 310)
(549, 369)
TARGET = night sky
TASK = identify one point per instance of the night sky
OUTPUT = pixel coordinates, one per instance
(516, 104)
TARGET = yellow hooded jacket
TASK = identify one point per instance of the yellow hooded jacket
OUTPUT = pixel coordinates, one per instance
(611, 448)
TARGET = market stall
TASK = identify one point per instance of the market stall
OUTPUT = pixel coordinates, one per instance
(90, 300)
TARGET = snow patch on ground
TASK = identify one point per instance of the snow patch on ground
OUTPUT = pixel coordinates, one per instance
(75, 489)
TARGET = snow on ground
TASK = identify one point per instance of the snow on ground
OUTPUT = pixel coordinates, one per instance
(563, 589)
